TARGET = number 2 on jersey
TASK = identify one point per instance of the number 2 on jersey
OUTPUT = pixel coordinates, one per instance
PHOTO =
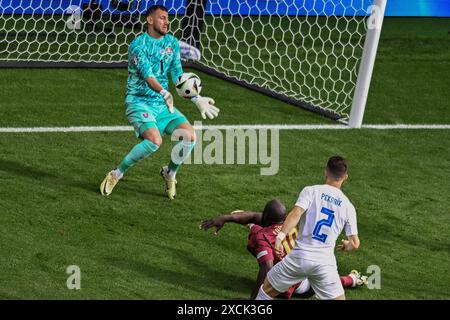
(322, 237)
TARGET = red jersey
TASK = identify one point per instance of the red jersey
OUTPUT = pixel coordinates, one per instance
(261, 242)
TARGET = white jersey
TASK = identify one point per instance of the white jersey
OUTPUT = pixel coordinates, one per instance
(328, 212)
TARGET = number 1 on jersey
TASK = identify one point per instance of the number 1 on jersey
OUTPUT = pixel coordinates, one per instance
(322, 237)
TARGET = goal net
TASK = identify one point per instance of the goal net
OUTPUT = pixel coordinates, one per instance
(306, 51)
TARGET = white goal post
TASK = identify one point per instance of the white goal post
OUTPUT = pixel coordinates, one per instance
(316, 54)
(375, 22)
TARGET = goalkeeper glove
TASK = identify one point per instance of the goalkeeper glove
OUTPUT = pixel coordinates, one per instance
(168, 98)
(206, 106)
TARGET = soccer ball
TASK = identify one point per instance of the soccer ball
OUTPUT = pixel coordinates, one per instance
(188, 85)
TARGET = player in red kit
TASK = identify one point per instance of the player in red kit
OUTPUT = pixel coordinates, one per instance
(264, 228)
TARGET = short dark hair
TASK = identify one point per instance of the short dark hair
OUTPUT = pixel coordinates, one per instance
(274, 213)
(337, 166)
(155, 7)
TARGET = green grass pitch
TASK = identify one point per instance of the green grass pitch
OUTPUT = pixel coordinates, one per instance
(136, 244)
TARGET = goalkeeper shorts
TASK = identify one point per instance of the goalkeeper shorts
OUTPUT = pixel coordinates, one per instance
(142, 117)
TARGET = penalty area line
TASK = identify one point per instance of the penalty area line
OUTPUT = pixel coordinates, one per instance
(234, 127)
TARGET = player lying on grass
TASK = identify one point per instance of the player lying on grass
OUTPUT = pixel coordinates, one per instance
(323, 212)
(264, 228)
(149, 105)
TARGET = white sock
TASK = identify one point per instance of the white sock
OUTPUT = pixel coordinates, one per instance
(117, 174)
(262, 295)
(303, 287)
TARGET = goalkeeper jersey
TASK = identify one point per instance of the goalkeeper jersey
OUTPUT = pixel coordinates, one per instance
(150, 57)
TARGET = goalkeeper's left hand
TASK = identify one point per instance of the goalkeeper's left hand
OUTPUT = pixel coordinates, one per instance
(206, 106)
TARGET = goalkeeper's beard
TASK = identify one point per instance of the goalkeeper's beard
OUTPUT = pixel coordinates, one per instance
(160, 31)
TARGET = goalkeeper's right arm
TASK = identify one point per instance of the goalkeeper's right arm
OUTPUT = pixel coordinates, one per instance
(156, 86)
(142, 64)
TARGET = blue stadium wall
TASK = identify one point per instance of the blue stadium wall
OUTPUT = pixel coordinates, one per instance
(416, 8)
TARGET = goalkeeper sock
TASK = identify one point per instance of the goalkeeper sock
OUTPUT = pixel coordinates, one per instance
(139, 152)
(180, 152)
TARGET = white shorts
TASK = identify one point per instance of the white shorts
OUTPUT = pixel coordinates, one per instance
(324, 279)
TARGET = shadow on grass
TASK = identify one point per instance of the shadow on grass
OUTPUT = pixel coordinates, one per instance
(19, 169)
(207, 280)
(129, 186)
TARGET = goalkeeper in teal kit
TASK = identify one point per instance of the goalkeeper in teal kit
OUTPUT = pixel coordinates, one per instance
(149, 104)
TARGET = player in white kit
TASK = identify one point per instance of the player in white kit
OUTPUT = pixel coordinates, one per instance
(323, 212)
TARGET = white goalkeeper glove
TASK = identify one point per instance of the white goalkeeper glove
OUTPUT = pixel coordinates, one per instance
(168, 98)
(206, 107)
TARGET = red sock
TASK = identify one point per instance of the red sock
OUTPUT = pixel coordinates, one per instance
(347, 281)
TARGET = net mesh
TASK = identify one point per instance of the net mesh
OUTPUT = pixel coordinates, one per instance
(308, 50)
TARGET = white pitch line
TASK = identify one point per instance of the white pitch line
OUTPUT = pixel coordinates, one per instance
(406, 126)
(244, 127)
(66, 129)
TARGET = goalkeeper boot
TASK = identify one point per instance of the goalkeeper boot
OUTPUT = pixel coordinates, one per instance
(170, 181)
(108, 184)
(359, 279)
